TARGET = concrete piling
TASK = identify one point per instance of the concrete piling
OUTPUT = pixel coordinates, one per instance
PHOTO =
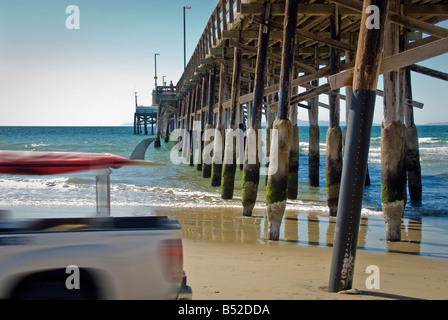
(392, 178)
(191, 128)
(412, 154)
(392, 146)
(219, 130)
(313, 155)
(333, 165)
(187, 141)
(293, 172)
(269, 124)
(229, 165)
(157, 138)
(276, 189)
(334, 134)
(251, 168)
(207, 166)
(314, 134)
(201, 122)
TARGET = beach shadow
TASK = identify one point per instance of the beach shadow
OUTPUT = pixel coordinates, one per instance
(378, 294)
(388, 295)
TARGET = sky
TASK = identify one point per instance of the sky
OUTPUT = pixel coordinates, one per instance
(51, 75)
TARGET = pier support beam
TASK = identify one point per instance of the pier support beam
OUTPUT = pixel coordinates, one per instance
(193, 128)
(314, 134)
(269, 121)
(186, 142)
(229, 166)
(368, 61)
(334, 134)
(251, 168)
(293, 172)
(412, 154)
(158, 124)
(278, 174)
(393, 188)
(167, 134)
(219, 130)
(201, 121)
(206, 165)
(180, 108)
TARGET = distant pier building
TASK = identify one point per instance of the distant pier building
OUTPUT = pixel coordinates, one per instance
(163, 109)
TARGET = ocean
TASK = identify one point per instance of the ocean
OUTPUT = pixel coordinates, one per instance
(139, 190)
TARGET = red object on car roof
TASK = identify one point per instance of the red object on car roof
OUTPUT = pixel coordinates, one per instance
(48, 163)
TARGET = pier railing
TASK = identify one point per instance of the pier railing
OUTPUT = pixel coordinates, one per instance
(222, 20)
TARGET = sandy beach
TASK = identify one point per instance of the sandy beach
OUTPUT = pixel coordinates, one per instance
(227, 257)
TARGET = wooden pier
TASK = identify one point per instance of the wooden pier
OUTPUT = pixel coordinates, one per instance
(143, 117)
(276, 56)
(162, 114)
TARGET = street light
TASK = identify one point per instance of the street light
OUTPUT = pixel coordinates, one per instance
(185, 44)
(155, 69)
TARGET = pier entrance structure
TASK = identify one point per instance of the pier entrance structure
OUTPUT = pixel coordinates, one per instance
(281, 55)
(162, 112)
(143, 117)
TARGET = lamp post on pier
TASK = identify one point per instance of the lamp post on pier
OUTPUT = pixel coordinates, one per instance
(185, 44)
(155, 69)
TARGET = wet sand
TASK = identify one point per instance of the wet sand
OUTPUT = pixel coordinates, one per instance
(227, 256)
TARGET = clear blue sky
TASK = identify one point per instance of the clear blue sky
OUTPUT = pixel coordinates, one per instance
(53, 76)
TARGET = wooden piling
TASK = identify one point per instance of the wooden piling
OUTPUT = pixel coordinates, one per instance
(145, 124)
(193, 128)
(158, 123)
(206, 165)
(392, 148)
(187, 140)
(412, 153)
(190, 129)
(229, 166)
(293, 172)
(201, 121)
(368, 61)
(334, 134)
(269, 122)
(167, 134)
(181, 108)
(219, 130)
(182, 125)
(251, 168)
(314, 134)
(314, 155)
(277, 180)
